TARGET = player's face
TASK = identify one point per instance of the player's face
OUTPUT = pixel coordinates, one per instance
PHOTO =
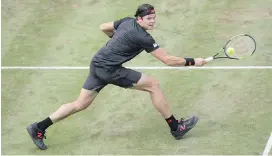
(148, 21)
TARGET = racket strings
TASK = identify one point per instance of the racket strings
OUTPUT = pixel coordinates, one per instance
(243, 46)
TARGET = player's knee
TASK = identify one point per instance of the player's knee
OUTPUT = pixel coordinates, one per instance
(79, 106)
(155, 85)
(149, 84)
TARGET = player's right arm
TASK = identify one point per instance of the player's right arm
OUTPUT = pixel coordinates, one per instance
(109, 28)
(170, 60)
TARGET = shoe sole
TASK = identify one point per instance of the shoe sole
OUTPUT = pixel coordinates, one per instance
(195, 122)
(30, 130)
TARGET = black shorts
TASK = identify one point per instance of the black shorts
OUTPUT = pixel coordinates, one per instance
(120, 76)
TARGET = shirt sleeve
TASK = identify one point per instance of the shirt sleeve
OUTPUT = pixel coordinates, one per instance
(149, 44)
(118, 22)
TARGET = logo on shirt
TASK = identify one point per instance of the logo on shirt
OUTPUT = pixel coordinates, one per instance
(155, 45)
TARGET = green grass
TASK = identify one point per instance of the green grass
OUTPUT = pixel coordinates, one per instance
(234, 106)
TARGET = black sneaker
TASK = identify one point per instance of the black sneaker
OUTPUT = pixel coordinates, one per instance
(36, 135)
(184, 126)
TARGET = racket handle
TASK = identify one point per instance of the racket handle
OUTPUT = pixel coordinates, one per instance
(209, 59)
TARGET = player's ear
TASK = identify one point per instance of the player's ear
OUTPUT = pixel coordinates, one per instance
(138, 18)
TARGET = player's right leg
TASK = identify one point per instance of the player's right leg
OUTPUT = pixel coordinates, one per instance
(87, 95)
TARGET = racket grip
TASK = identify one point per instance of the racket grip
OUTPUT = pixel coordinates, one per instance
(209, 59)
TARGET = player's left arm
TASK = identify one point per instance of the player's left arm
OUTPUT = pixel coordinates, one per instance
(150, 46)
(163, 56)
(170, 60)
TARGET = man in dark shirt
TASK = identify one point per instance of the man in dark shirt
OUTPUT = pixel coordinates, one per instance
(129, 37)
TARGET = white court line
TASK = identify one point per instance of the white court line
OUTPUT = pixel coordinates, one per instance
(143, 67)
(268, 146)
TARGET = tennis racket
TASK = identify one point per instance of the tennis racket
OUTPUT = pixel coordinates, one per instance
(238, 47)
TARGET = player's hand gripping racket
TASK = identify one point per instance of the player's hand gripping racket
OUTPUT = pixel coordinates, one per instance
(238, 47)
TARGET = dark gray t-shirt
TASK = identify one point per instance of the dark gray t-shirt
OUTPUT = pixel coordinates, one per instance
(129, 40)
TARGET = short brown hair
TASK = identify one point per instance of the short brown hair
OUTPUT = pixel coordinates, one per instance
(144, 9)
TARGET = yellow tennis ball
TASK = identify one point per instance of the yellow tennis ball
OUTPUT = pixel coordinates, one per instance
(230, 51)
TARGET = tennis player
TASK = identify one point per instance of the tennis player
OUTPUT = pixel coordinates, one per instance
(128, 38)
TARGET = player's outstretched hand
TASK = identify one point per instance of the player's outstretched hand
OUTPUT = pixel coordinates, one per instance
(199, 62)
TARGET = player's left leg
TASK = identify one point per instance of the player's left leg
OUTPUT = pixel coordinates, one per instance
(128, 78)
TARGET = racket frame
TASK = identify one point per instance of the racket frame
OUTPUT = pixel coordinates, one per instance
(224, 49)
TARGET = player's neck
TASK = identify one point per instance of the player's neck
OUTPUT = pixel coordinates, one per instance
(140, 24)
